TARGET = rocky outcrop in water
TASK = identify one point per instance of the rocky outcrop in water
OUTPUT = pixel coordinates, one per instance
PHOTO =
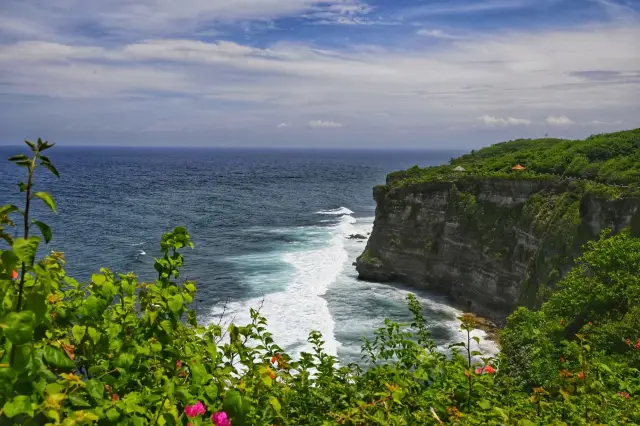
(489, 244)
(357, 237)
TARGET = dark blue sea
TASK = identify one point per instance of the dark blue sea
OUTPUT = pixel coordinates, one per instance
(270, 229)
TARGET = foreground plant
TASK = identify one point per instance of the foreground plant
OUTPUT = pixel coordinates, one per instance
(116, 351)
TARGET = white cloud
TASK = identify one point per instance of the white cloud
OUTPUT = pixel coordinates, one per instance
(561, 120)
(344, 12)
(324, 124)
(460, 7)
(602, 123)
(282, 125)
(492, 121)
(436, 34)
(139, 19)
(511, 79)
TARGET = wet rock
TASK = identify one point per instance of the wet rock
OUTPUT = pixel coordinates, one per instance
(357, 237)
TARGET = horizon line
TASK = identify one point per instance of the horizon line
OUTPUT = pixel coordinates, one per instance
(239, 148)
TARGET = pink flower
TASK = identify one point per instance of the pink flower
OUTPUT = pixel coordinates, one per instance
(624, 395)
(220, 419)
(638, 344)
(178, 364)
(195, 409)
(478, 370)
(14, 275)
(489, 369)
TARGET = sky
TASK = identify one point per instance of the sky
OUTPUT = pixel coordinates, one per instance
(327, 73)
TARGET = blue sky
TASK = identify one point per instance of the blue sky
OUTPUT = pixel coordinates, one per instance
(330, 73)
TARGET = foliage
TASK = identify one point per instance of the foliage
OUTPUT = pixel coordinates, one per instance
(609, 159)
(591, 324)
(119, 351)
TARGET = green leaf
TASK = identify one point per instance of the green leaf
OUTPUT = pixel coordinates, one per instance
(53, 388)
(36, 302)
(24, 163)
(484, 404)
(605, 367)
(22, 358)
(18, 405)
(50, 167)
(78, 332)
(26, 249)
(7, 379)
(275, 404)
(47, 199)
(98, 279)
(19, 327)
(211, 391)
(125, 360)
(525, 422)
(113, 414)
(78, 400)
(57, 358)
(235, 405)
(19, 157)
(9, 260)
(501, 413)
(94, 334)
(91, 306)
(42, 146)
(108, 290)
(47, 164)
(8, 208)
(31, 145)
(45, 230)
(175, 303)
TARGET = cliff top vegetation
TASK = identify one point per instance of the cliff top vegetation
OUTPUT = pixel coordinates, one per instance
(608, 158)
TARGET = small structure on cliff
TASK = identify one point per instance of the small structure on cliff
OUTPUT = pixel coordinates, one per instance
(459, 169)
(518, 167)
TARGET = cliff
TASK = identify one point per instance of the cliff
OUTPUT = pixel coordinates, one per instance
(489, 243)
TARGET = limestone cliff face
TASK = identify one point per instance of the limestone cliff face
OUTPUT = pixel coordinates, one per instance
(489, 244)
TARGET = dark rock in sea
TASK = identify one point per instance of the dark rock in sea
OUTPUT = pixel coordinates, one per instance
(489, 244)
(357, 237)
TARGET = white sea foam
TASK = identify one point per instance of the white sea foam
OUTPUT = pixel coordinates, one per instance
(293, 313)
(336, 212)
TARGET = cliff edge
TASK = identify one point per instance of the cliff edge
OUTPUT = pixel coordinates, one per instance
(489, 241)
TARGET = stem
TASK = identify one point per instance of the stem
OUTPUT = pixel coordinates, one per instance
(160, 410)
(469, 346)
(26, 229)
(23, 270)
(469, 377)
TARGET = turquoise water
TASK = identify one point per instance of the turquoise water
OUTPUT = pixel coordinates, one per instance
(269, 226)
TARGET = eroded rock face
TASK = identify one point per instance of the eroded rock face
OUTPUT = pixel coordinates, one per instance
(489, 244)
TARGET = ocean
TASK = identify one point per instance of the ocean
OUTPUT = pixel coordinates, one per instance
(270, 229)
